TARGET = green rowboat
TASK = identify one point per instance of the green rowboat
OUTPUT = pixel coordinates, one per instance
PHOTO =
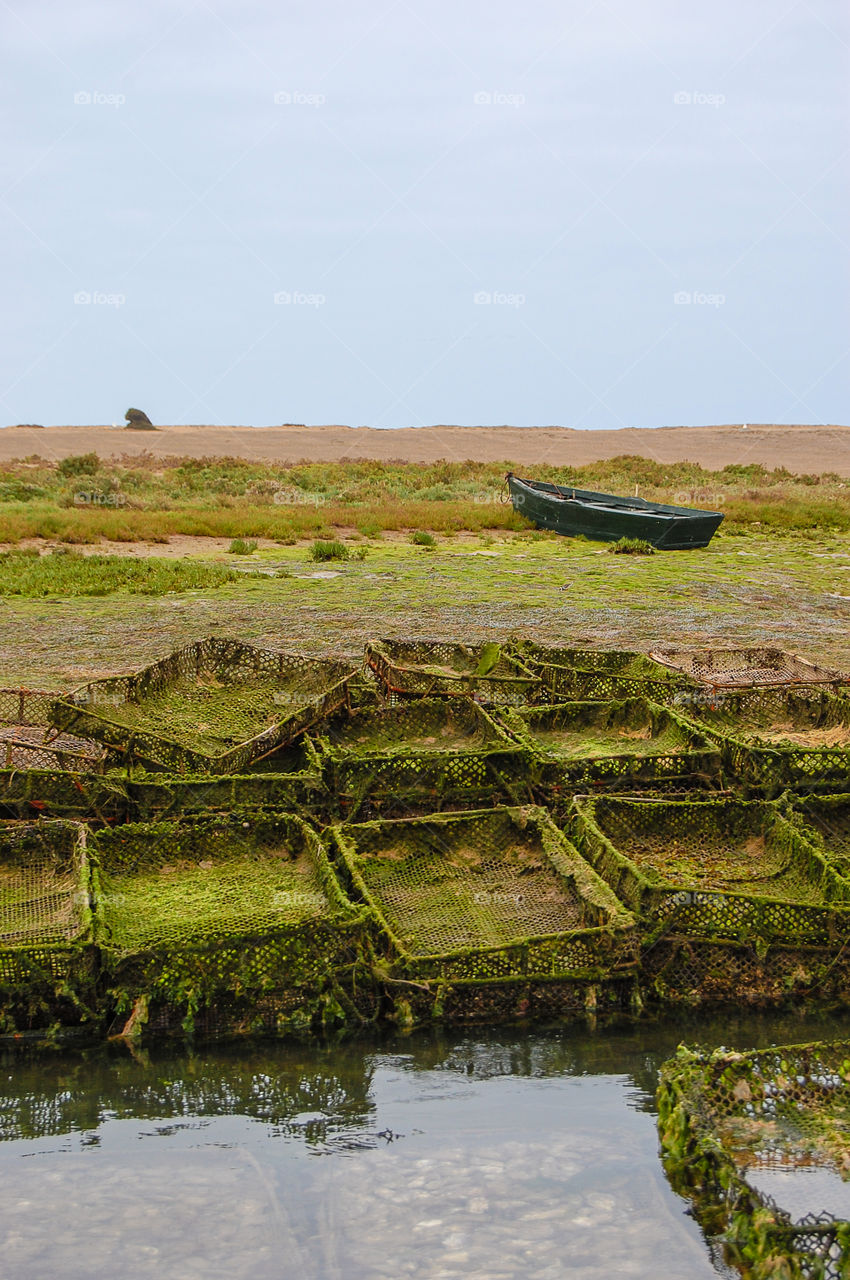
(603, 517)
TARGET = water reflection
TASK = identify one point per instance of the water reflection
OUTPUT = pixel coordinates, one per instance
(497, 1155)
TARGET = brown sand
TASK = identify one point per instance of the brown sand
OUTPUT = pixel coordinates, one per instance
(801, 449)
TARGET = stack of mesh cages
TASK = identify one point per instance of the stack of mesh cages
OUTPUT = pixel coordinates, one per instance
(489, 915)
(28, 743)
(47, 960)
(225, 924)
(602, 674)
(216, 706)
(736, 903)
(743, 1135)
(630, 744)
(429, 668)
(427, 754)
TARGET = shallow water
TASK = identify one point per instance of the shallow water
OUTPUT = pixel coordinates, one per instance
(496, 1155)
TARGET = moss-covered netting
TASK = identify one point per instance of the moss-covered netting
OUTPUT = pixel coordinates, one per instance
(592, 674)
(46, 924)
(728, 1119)
(731, 869)
(632, 742)
(425, 668)
(825, 819)
(431, 749)
(242, 907)
(772, 739)
(213, 707)
(486, 896)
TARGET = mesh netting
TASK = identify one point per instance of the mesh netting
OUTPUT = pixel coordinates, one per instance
(422, 668)
(602, 673)
(219, 908)
(728, 868)
(430, 749)
(725, 1119)
(826, 820)
(748, 668)
(485, 896)
(776, 738)
(25, 706)
(45, 916)
(695, 971)
(215, 706)
(573, 743)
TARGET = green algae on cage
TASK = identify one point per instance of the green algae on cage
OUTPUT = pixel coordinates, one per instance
(633, 741)
(222, 907)
(726, 868)
(439, 749)
(825, 820)
(592, 674)
(693, 972)
(723, 1117)
(215, 706)
(425, 668)
(772, 739)
(486, 896)
(46, 924)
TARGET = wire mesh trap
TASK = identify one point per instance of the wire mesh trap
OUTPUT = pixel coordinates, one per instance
(46, 926)
(732, 869)
(749, 668)
(484, 897)
(215, 706)
(631, 742)
(425, 668)
(692, 972)
(213, 911)
(825, 820)
(430, 749)
(752, 1139)
(590, 674)
(772, 739)
(28, 742)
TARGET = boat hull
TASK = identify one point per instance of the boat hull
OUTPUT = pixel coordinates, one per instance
(604, 517)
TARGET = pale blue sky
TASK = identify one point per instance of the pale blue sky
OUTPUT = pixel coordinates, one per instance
(453, 212)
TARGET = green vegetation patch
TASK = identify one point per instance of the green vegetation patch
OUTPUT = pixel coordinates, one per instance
(69, 573)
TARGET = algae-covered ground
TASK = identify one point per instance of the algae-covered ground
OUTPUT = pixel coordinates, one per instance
(746, 588)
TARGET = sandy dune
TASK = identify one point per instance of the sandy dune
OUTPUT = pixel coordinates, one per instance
(799, 448)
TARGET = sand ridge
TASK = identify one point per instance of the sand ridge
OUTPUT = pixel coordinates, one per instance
(799, 448)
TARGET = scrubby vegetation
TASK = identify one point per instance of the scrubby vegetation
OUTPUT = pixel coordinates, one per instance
(631, 547)
(84, 499)
(70, 573)
(333, 550)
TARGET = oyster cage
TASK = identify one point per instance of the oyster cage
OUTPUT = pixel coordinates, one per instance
(732, 869)
(592, 674)
(777, 738)
(223, 910)
(431, 749)
(729, 1122)
(696, 971)
(28, 742)
(425, 668)
(748, 668)
(825, 820)
(630, 742)
(215, 706)
(46, 923)
(484, 897)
